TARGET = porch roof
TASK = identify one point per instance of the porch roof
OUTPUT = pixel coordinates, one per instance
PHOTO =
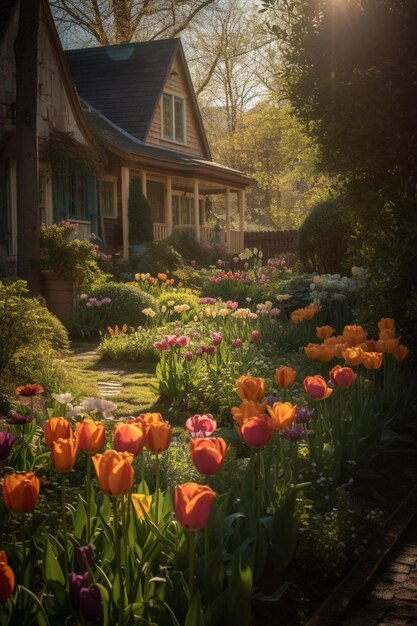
(165, 160)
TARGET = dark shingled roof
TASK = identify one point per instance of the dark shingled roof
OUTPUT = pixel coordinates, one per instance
(123, 82)
(6, 7)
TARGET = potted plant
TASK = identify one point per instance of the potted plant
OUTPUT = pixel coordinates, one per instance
(140, 220)
(63, 258)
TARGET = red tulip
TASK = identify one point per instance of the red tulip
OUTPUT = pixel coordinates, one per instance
(257, 431)
(208, 454)
(342, 376)
(317, 388)
(192, 504)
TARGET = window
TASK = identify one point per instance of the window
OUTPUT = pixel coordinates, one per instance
(109, 198)
(183, 210)
(74, 197)
(77, 196)
(173, 118)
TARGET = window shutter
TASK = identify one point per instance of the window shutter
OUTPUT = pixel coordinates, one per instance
(91, 201)
(60, 199)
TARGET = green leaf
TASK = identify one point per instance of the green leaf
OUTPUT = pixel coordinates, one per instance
(274, 597)
(195, 616)
(52, 571)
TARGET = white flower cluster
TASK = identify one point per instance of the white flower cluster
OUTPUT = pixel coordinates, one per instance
(149, 312)
(334, 287)
(248, 254)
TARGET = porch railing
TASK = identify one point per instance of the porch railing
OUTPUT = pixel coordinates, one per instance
(160, 231)
(208, 235)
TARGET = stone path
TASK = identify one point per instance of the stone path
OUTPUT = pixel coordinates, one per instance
(392, 598)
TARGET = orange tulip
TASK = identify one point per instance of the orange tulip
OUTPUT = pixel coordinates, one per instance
(20, 492)
(354, 335)
(285, 376)
(129, 438)
(208, 454)
(353, 356)
(57, 428)
(247, 409)
(142, 504)
(312, 350)
(297, 316)
(7, 578)
(386, 323)
(257, 431)
(151, 418)
(90, 435)
(324, 332)
(64, 454)
(158, 436)
(283, 414)
(192, 504)
(388, 345)
(372, 360)
(386, 333)
(400, 353)
(317, 388)
(114, 472)
(342, 376)
(326, 353)
(250, 388)
(339, 348)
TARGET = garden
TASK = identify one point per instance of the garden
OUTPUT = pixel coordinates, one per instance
(230, 491)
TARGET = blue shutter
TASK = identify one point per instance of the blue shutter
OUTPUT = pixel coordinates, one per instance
(60, 199)
(91, 201)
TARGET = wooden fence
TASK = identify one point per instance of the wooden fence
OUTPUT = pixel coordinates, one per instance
(271, 242)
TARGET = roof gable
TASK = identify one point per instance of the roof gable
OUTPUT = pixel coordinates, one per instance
(123, 82)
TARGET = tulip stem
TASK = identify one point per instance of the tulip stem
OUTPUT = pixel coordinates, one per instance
(191, 563)
(87, 497)
(118, 561)
(142, 468)
(157, 482)
(64, 527)
(23, 525)
(125, 529)
(206, 546)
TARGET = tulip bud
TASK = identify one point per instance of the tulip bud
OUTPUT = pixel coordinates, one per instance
(192, 504)
(283, 414)
(342, 376)
(114, 472)
(317, 388)
(257, 431)
(57, 428)
(128, 438)
(20, 492)
(158, 437)
(208, 454)
(85, 556)
(76, 583)
(7, 578)
(90, 603)
(64, 454)
(90, 435)
(285, 376)
(6, 443)
(250, 388)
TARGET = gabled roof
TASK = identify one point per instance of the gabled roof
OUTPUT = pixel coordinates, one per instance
(124, 82)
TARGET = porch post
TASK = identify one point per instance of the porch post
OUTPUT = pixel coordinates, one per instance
(227, 201)
(203, 212)
(168, 205)
(144, 184)
(241, 196)
(196, 211)
(125, 180)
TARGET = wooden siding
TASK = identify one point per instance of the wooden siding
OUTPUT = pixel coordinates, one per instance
(177, 86)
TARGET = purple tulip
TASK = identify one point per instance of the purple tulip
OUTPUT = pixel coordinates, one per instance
(237, 343)
(19, 420)
(270, 400)
(188, 356)
(77, 582)
(85, 556)
(90, 603)
(304, 414)
(255, 335)
(217, 338)
(6, 443)
(293, 433)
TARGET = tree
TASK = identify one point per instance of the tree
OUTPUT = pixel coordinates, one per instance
(104, 22)
(350, 70)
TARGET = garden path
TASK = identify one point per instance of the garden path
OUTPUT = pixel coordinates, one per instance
(127, 385)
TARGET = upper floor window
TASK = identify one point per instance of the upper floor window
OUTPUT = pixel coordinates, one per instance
(173, 118)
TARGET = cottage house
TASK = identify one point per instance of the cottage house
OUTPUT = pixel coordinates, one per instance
(108, 116)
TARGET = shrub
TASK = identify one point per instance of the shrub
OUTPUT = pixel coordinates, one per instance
(26, 328)
(179, 297)
(324, 236)
(140, 216)
(159, 256)
(127, 303)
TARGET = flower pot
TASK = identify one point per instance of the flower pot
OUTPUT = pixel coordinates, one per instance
(59, 293)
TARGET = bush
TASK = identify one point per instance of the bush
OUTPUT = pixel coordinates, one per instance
(26, 328)
(179, 297)
(159, 256)
(127, 303)
(140, 216)
(324, 237)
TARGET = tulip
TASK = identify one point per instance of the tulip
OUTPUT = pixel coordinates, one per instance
(20, 492)
(237, 343)
(354, 335)
(386, 323)
(201, 425)
(90, 435)
(372, 360)
(304, 414)
(7, 578)
(85, 556)
(312, 350)
(150, 418)
(317, 388)
(6, 444)
(114, 472)
(19, 420)
(283, 414)
(285, 376)
(257, 431)
(342, 376)
(293, 433)
(158, 437)
(76, 583)
(250, 388)
(353, 356)
(128, 438)
(90, 603)
(29, 390)
(208, 454)
(192, 505)
(57, 428)
(388, 345)
(247, 409)
(324, 332)
(400, 353)
(386, 333)
(326, 353)
(255, 335)
(64, 454)
(142, 504)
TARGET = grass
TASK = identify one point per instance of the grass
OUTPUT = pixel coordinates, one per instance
(85, 371)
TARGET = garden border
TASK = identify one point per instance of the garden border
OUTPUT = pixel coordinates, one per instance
(365, 570)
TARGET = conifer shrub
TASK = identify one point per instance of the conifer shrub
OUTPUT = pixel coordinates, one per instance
(127, 304)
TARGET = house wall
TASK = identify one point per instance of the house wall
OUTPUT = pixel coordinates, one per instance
(177, 85)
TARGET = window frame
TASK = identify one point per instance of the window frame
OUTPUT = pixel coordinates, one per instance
(113, 181)
(172, 136)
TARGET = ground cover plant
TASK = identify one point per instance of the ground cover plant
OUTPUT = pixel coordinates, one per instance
(171, 514)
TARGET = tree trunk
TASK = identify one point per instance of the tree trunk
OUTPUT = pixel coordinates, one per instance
(27, 158)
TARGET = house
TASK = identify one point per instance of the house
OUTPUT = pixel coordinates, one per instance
(108, 116)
